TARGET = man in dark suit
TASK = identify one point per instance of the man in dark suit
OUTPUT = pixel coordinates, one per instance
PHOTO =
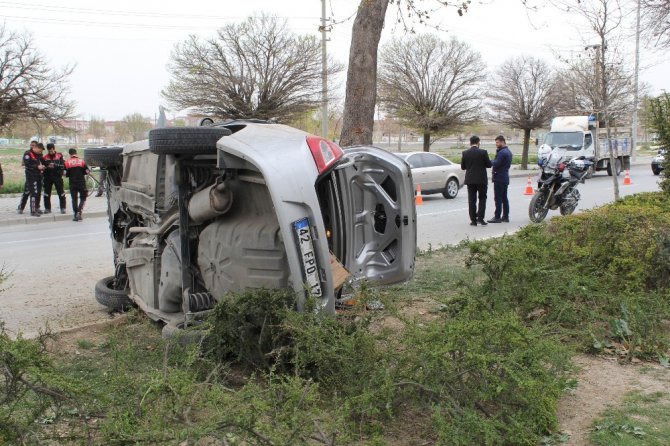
(474, 162)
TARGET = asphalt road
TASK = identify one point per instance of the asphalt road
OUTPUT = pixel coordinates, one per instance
(54, 266)
(446, 222)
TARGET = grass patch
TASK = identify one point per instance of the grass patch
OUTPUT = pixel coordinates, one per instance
(642, 419)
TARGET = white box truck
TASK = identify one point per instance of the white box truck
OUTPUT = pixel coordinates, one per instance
(581, 136)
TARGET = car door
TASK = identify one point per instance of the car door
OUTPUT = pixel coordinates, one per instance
(435, 171)
(379, 217)
(418, 174)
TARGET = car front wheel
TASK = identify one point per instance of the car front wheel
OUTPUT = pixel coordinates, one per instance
(115, 300)
(655, 170)
(451, 188)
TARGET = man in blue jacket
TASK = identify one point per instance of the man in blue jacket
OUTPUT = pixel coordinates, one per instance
(500, 177)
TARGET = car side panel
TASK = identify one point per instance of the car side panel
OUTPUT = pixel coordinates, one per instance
(281, 155)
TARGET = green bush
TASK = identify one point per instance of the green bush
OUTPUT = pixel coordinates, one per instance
(491, 379)
(247, 328)
(581, 271)
(32, 390)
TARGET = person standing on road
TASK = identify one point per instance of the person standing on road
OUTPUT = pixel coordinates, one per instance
(76, 170)
(2, 177)
(475, 161)
(53, 176)
(500, 176)
(34, 166)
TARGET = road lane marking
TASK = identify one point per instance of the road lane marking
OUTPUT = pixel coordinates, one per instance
(442, 212)
(32, 240)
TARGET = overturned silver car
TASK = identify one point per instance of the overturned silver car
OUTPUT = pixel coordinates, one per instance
(196, 213)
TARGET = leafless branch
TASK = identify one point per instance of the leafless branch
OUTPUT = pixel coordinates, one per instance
(256, 69)
(431, 84)
(30, 89)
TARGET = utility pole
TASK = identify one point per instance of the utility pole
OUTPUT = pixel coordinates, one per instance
(324, 72)
(633, 136)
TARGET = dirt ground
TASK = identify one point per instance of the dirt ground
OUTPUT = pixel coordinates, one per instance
(602, 383)
(68, 303)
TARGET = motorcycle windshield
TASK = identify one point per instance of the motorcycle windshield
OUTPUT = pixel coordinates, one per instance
(555, 158)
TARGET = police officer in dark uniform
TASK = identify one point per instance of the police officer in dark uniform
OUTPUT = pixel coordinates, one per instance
(76, 170)
(34, 166)
(53, 176)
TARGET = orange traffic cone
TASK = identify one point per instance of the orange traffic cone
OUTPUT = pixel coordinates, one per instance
(418, 199)
(626, 179)
(529, 187)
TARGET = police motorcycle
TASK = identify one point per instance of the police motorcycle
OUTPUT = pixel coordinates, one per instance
(557, 186)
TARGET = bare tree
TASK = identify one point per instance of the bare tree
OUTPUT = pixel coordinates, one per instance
(604, 17)
(656, 15)
(579, 82)
(524, 95)
(133, 126)
(431, 84)
(361, 89)
(121, 132)
(256, 69)
(30, 89)
(96, 127)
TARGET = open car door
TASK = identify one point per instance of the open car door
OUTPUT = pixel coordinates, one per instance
(376, 208)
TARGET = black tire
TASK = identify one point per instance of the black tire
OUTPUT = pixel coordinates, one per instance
(618, 167)
(536, 211)
(655, 170)
(104, 157)
(186, 140)
(116, 300)
(172, 331)
(450, 189)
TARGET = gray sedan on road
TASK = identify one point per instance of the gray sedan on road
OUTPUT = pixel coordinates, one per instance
(435, 174)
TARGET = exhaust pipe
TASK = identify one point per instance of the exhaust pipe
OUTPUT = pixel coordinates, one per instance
(209, 203)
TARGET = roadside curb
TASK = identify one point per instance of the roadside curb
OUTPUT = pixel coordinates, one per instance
(47, 218)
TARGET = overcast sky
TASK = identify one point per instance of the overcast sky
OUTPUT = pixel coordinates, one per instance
(121, 48)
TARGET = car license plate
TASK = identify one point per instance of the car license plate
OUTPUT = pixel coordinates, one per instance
(310, 267)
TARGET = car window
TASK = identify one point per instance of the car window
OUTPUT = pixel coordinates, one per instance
(431, 160)
(415, 161)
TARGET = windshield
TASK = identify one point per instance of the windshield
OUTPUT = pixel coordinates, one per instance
(555, 158)
(570, 140)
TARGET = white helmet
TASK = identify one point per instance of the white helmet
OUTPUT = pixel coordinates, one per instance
(544, 151)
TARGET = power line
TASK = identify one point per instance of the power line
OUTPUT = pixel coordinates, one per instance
(122, 25)
(41, 7)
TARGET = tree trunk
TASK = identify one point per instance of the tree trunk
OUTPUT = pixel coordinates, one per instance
(524, 153)
(426, 141)
(361, 91)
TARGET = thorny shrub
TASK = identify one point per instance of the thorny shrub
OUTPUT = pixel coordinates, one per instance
(590, 273)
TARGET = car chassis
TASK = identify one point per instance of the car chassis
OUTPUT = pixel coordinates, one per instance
(196, 213)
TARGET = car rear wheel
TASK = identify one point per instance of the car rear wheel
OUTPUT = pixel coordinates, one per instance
(186, 140)
(451, 188)
(104, 157)
(116, 300)
(655, 170)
